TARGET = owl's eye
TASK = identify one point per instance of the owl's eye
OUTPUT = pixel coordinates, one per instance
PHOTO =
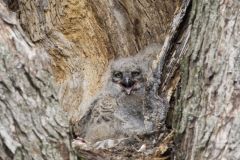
(135, 73)
(117, 74)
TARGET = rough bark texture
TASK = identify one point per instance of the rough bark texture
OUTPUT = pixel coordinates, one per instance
(32, 123)
(207, 113)
(81, 38)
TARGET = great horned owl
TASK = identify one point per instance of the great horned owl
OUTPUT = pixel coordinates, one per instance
(124, 107)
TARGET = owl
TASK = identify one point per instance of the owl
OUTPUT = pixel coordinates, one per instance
(124, 107)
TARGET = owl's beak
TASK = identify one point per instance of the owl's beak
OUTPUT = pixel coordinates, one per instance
(127, 85)
(128, 90)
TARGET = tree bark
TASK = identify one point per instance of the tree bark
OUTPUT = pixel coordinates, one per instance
(207, 110)
(82, 37)
(33, 125)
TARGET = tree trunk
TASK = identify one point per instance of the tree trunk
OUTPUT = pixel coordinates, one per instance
(207, 113)
(33, 125)
(82, 37)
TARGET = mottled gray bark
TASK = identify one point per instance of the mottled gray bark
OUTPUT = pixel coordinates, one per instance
(83, 36)
(32, 123)
(80, 37)
(207, 116)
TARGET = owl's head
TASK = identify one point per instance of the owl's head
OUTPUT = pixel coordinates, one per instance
(128, 75)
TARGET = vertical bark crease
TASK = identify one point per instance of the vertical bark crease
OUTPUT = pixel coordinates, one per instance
(213, 52)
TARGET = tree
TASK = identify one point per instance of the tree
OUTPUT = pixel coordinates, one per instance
(208, 103)
(33, 125)
(81, 37)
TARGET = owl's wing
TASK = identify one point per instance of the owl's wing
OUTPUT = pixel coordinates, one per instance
(156, 112)
(98, 116)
